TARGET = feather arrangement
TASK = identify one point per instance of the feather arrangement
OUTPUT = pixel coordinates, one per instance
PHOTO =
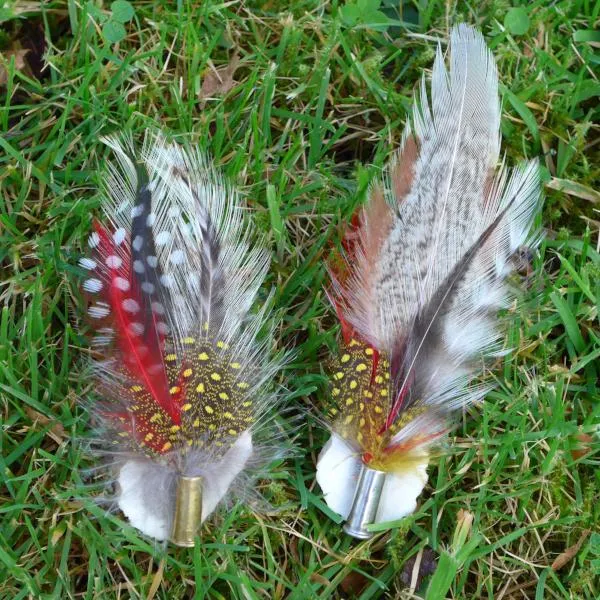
(183, 360)
(424, 275)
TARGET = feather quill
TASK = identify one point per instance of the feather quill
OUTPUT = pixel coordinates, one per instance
(426, 276)
(183, 361)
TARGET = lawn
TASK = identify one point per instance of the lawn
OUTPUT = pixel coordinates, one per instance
(300, 105)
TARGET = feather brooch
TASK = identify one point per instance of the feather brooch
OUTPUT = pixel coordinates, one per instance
(183, 360)
(424, 275)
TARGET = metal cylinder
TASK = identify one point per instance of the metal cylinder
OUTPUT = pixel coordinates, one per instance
(188, 511)
(365, 503)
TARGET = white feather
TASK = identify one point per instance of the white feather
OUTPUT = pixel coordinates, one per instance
(449, 207)
(338, 469)
(149, 508)
(458, 147)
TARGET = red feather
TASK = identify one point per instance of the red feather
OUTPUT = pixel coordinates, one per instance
(144, 363)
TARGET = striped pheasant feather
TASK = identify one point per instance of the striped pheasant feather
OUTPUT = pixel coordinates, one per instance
(425, 274)
(184, 376)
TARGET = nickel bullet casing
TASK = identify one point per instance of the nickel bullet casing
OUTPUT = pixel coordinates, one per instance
(365, 503)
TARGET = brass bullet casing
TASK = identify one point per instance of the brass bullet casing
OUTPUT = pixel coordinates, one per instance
(188, 511)
(365, 503)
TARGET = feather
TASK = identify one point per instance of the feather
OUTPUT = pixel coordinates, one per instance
(422, 301)
(183, 360)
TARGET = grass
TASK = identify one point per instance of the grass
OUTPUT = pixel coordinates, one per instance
(318, 103)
